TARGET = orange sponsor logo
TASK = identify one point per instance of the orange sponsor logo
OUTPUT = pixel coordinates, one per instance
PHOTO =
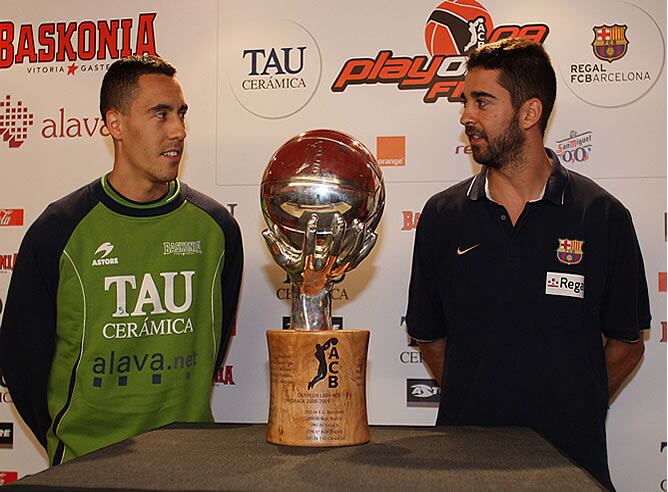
(391, 151)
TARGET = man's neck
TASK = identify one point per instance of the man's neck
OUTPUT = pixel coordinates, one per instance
(137, 191)
(523, 181)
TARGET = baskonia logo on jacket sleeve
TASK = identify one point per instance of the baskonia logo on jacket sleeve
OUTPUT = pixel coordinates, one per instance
(63, 47)
(452, 30)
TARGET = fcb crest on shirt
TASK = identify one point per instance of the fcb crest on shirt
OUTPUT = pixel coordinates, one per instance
(610, 42)
(569, 251)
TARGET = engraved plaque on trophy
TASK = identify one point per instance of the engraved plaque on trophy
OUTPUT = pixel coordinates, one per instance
(322, 196)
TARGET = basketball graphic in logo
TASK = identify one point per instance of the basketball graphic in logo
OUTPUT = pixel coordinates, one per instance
(456, 27)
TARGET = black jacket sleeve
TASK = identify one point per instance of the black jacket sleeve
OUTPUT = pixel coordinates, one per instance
(28, 330)
(231, 282)
(233, 263)
(27, 336)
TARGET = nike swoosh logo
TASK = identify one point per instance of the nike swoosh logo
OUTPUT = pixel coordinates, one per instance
(464, 251)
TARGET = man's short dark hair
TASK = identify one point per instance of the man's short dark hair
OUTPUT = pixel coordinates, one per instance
(122, 79)
(525, 71)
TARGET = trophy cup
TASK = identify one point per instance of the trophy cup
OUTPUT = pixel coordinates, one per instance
(322, 196)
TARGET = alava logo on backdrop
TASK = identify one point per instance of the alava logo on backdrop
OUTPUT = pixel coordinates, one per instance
(16, 120)
(63, 47)
(453, 29)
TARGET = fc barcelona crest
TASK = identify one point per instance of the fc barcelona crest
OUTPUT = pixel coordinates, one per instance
(610, 42)
(569, 251)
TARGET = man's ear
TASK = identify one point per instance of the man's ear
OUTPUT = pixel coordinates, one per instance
(530, 113)
(114, 124)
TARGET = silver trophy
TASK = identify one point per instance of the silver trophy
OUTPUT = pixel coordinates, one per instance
(322, 196)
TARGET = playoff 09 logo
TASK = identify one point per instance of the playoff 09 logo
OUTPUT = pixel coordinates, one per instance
(452, 30)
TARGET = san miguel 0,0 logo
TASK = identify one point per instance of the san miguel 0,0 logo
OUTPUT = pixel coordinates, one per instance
(452, 30)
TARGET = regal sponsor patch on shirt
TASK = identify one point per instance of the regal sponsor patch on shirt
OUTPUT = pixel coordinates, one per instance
(565, 284)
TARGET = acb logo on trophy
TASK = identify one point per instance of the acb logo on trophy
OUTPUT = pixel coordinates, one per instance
(322, 196)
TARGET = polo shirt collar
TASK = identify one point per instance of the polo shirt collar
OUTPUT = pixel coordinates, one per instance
(554, 190)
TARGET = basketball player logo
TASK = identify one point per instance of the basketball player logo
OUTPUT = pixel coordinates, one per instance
(456, 27)
(322, 363)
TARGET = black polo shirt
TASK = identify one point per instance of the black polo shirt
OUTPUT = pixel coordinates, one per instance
(523, 333)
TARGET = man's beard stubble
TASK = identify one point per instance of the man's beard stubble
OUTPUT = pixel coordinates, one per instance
(501, 151)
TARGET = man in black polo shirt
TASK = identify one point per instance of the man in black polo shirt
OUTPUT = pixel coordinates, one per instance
(497, 297)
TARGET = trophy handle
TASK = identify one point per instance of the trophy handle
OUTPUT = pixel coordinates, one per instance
(311, 311)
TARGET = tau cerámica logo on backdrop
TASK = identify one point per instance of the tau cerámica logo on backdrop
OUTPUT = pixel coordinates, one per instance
(274, 67)
(412, 355)
(338, 293)
(611, 55)
(453, 29)
(67, 48)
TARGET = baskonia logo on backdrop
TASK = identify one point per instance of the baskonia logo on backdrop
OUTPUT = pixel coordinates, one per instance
(452, 30)
(71, 47)
(7, 263)
(224, 376)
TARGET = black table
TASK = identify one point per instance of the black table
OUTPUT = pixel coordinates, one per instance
(236, 457)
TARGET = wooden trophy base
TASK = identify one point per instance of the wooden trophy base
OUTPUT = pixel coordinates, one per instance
(318, 387)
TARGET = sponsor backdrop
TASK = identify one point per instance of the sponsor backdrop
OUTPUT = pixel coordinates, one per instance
(256, 74)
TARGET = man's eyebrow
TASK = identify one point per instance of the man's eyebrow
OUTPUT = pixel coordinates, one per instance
(166, 107)
(483, 94)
